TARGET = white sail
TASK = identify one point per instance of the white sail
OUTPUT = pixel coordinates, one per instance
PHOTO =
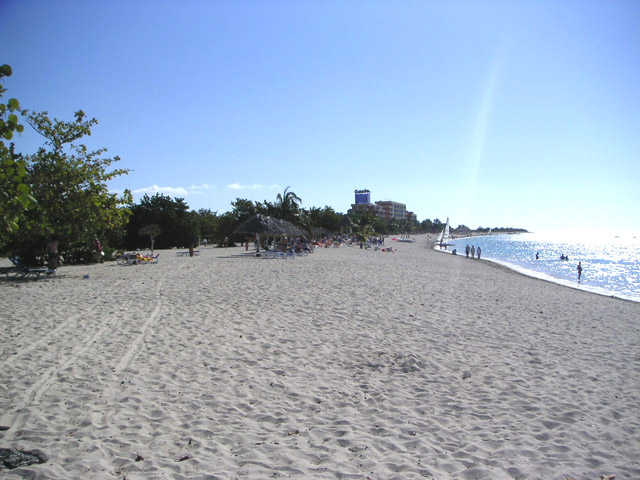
(443, 238)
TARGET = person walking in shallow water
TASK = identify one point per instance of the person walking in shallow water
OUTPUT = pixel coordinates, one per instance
(579, 268)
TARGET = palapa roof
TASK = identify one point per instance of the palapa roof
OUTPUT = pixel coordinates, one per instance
(264, 225)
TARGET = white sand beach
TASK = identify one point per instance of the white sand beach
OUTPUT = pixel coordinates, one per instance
(344, 364)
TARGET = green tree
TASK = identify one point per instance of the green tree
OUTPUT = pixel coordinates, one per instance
(69, 183)
(364, 228)
(325, 218)
(179, 227)
(152, 230)
(227, 225)
(15, 195)
(288, 205)
(244, 209)
(207, 224)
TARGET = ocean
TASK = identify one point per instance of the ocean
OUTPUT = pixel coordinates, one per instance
(610, 260)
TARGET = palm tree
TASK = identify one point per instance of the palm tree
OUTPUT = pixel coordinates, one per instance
(364, 229)
(288, 205)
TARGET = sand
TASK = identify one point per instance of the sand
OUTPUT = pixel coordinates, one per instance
(345, 364)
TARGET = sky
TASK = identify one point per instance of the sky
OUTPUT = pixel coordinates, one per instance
(492, 113)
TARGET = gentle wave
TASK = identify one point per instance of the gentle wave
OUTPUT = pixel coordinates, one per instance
(610, 261)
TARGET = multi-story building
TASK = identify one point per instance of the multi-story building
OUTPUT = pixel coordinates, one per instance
(363, 203)
(389, 210)
(383, 209)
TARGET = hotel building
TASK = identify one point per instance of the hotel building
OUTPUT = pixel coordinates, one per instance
(383, 209)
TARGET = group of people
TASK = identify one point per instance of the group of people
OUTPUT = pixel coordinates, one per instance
(206, 241)
(286, 245)
(473, 251)
(565, 258)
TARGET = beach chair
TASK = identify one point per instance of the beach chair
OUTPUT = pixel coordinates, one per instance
(145, 259)
(128, 259)
(25, 271)
(186, 254)
(274, 254)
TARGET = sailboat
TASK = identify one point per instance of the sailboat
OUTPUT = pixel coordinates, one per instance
(444, 237)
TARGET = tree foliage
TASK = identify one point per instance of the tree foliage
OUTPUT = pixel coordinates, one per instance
(288, 206)
(207, 222)
(152, 230)
(179, 227)
(15, 194)
(364, 227)
(325, 217)
(69, 183)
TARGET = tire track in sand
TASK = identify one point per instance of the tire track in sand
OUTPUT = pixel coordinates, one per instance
(45, 338)
(19, 415)
(131, 352)
(129, 356)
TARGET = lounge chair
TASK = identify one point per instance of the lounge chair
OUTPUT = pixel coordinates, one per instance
(144, 259)
(128, 259)
(137, 259)
(23, 271)
(187, 254)
(274, 254)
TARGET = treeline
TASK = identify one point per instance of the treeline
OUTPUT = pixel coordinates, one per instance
(464, 230)
(60, 193)
(168, 222)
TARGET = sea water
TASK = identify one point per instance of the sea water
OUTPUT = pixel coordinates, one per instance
(610, 261)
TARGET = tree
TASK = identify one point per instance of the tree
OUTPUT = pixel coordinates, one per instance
(152, 230)
(15, 195)
(244, 209)
(324, 217)
(288, 204)
(69, 183)
(207, 224)
(364, 228)
(179, 227)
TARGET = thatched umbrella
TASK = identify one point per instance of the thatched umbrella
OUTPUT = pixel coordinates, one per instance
(319, 232)
(289, 228)
(260, 225)
(272, 227)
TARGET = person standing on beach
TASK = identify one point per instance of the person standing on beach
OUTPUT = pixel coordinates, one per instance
(97, 248)
(579, 268)
(52, 255)
(479, 252)
(473, 251)
(466, 250)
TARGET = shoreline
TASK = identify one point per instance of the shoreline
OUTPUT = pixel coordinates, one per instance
(547, 278)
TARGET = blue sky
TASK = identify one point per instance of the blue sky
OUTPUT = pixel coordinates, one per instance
(497, 113)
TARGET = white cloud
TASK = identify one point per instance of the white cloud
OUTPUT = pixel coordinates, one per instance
(175, 191)
(237, 186)
(156, 189)
(275, 186)
(204, 186)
